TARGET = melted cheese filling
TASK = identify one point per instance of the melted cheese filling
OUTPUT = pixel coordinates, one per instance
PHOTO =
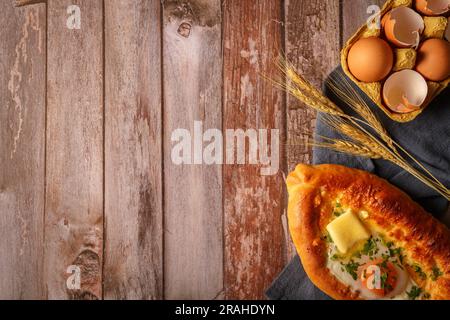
(356, 247)
(343, 268)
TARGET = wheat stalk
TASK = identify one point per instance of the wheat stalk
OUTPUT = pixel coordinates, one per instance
(348, 147)
(20, 3)
(375, 144)
(351, 97)
(360, 150)
(362, 137)
(304, 91)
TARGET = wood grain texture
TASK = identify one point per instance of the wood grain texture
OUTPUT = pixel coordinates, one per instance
(253, 204)
(312, 44)
(74, 200)
(133, 163)
(22, 150)
(192, 68)
(354, 15)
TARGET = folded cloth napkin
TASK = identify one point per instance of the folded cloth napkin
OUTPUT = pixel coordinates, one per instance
(427, 138)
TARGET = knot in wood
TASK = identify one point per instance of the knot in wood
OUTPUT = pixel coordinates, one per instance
(184, 29)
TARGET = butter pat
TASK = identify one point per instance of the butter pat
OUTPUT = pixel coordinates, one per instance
(347, 230)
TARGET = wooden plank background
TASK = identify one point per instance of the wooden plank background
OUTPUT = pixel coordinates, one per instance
(22, 146)
(74, 161)
(253, 204)
(192, 82)
(86, 122)
(133, 151)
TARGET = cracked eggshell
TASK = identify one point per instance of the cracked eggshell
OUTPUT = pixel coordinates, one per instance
(403, 27)
(433, 7)
(405, 91)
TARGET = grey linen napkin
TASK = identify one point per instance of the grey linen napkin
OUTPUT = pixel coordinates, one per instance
(427, 138)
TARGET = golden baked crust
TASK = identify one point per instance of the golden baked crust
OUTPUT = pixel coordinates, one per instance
(424, 240)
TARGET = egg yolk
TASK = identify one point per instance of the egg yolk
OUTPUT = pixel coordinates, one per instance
(379, 276)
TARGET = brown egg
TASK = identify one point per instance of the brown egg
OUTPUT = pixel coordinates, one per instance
(433, 59)
(370, 59)
(433, 7)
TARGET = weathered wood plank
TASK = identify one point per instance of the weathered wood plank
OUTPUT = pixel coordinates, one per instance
(192, 71)
(22, 150)
(133, 150)
(74, 199)
(312, 44)
(354, 15)
(253, 203)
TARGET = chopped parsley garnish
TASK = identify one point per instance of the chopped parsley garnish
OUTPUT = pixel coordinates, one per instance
(383, 278)
(389, 244)
(436, 273)
(414, 293)
(337, 211)
(426, 296)
(398, 264)
(385, 256)
(383, 264)
(370, 248)
(393, 253)
(335, 257)
(419, 271)
(351, 268)
(384, 282)
(327, 238)
(396, 252)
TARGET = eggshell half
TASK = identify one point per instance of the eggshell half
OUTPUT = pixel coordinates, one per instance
(405, 91)
(403, 27)
(433, 7)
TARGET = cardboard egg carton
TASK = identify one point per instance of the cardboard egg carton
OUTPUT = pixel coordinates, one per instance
(404, 59)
